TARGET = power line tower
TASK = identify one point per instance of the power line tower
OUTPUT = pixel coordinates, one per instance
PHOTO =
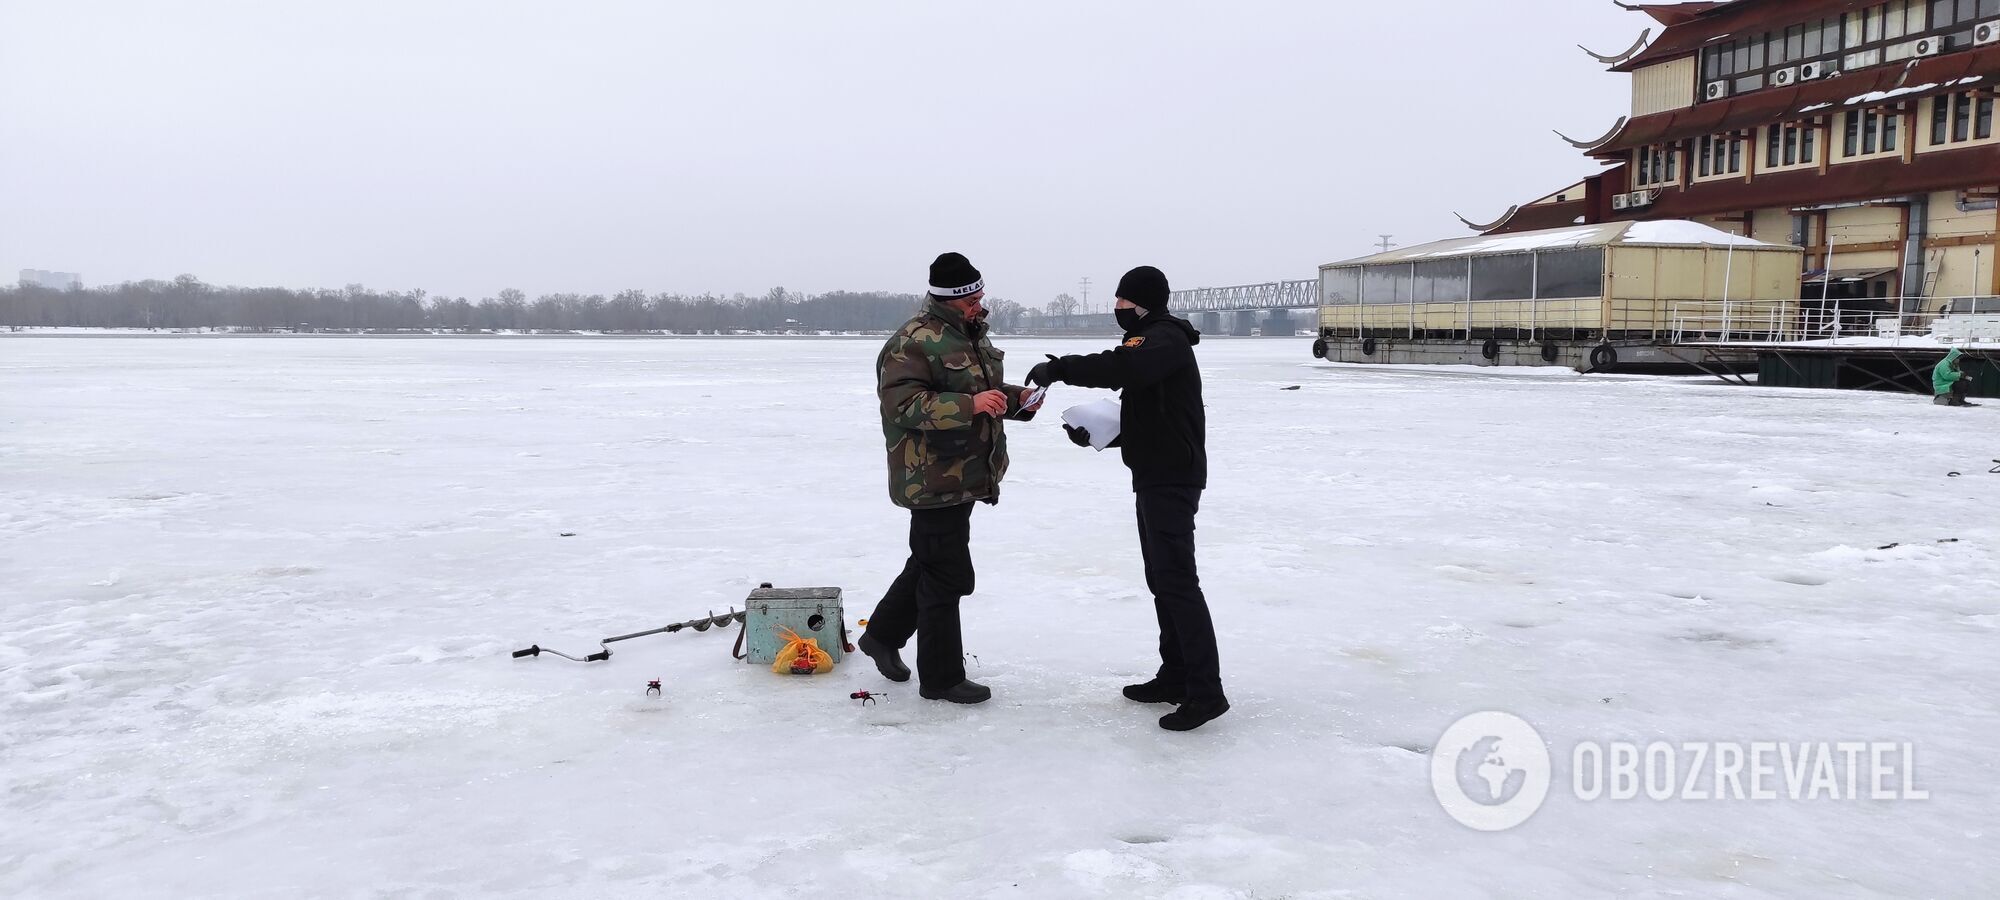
(1084, 286)
(1385, 244)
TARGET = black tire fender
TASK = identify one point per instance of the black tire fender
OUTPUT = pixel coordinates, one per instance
(1367, 346)
(1603, 356)
(1491, 349)
(1549, 353)
(1319, 349)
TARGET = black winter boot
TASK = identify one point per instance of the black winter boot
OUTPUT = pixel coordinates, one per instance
(887, 660)
(1155, 691)
(967, 691)
(1193, 714)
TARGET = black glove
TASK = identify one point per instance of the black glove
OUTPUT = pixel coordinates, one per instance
(1077, 435)
(1046, 373)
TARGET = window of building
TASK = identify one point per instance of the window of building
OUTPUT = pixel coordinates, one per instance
(1896, 21)
(1917, 17)
(1949, 14)
(1656, 165)
(1791, 144)
(1964, 116)
(1862, 60)
(1746, 62)
(1871, 132)
(1761, 53)
(1385, 284)
(1341, 287)
(1569, 273)
(1719, 154)
(1829, 35)
(1946, 13)
(1507, 277)
(1441, 281)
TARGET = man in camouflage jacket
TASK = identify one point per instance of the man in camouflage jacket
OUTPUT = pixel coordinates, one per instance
(943, 398)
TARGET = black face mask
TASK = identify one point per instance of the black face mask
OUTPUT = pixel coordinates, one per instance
(1129, 319)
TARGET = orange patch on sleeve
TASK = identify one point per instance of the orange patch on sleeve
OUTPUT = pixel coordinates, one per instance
(1134, 342)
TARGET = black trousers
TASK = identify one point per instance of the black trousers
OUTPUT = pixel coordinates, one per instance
(1187, 634)
(923, 600)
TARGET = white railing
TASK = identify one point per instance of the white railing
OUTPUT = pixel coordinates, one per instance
(1835, 321)
(1670, 321)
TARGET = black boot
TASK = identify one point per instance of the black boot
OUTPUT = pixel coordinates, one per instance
(1193, 714)
(967, 691)
(1155, 691)
(887, 660)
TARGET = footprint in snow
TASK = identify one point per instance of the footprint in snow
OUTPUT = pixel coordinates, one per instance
(1724, 638)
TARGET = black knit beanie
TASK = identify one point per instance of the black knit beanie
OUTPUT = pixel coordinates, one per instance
(1145, 286)
(953, 277)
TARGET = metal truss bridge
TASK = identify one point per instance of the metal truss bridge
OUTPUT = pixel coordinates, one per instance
(1239, 309)
(1270, 295)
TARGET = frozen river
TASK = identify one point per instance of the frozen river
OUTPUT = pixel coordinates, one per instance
(257, 598)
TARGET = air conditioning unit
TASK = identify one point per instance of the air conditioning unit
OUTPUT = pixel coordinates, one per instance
(1716, 90)
(1621, 201)
(1988, 33)
(1639, 199)
(1930, 46)
(1812, 71)
(1785, 77)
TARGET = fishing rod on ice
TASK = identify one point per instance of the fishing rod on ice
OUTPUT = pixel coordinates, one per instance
(604, 646)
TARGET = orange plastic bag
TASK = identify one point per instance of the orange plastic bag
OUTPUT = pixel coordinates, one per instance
(801, 656)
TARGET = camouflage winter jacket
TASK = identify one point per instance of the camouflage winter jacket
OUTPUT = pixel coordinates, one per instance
(940, 452)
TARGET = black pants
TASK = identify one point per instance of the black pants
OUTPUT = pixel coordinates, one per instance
(1187, 634)
(924, 599)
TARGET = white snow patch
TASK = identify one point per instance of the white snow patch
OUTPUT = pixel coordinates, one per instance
(1879, 96)
(1544, 240)
(1664, 232)
(1682, 232)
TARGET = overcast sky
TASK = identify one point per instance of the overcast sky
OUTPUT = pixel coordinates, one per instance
(464, 147)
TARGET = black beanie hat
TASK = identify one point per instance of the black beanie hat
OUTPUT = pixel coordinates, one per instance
(1145, 286)
(953, 277)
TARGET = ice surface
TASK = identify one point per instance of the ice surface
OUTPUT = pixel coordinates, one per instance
(256, 598)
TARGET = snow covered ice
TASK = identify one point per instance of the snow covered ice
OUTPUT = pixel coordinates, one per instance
(257, 597)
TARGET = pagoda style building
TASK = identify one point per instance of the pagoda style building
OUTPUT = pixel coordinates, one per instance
(1861, 132)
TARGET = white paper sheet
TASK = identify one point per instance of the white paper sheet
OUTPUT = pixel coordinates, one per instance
(1099, 418)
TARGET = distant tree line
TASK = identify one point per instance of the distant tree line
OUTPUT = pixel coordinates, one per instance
(186, 302)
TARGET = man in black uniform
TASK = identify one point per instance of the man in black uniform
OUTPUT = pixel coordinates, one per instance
(1162, 433)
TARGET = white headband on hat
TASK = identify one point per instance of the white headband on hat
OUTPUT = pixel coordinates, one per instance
(955, 293)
